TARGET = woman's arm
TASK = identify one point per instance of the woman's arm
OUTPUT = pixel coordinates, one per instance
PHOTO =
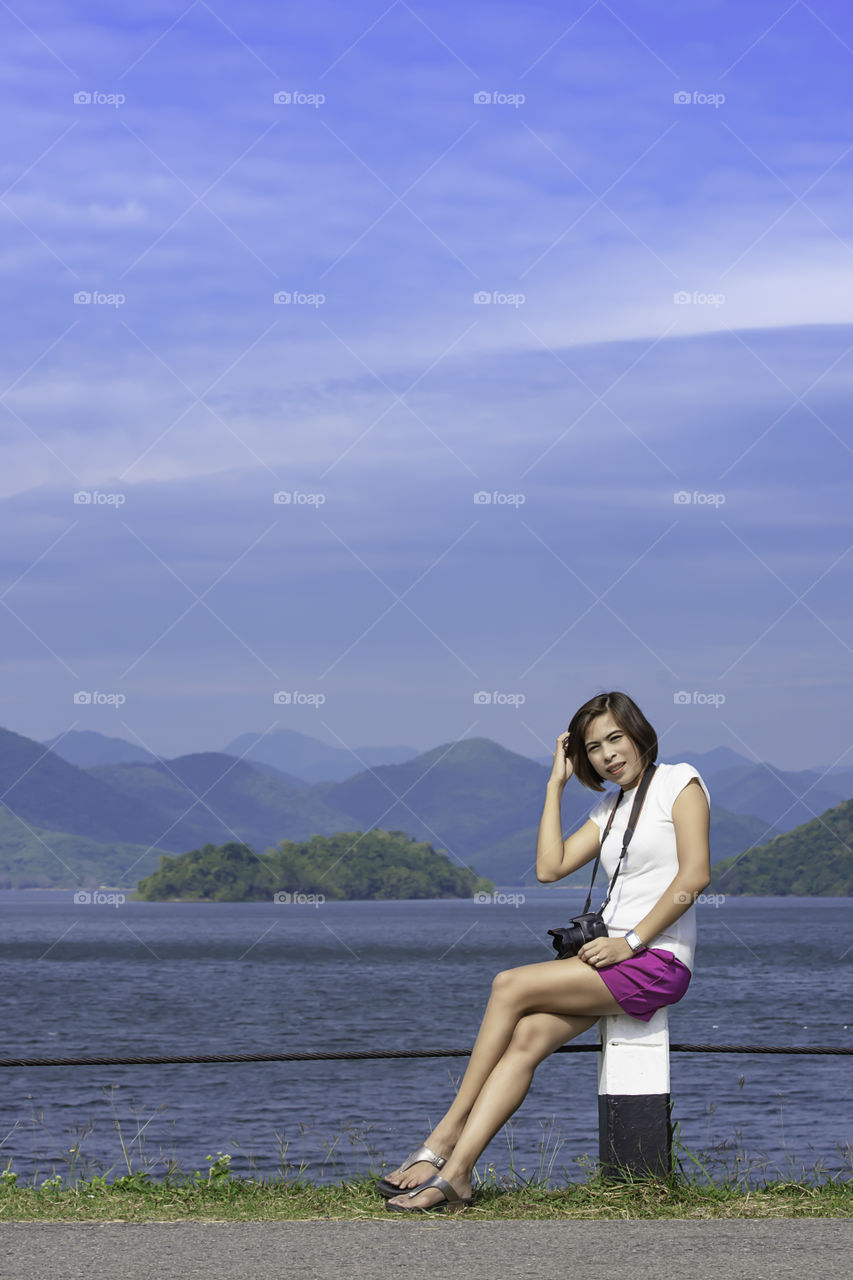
(691, 819)
(555, 857)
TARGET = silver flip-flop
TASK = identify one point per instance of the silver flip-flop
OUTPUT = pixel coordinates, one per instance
(387, 1189)
(451, 1200)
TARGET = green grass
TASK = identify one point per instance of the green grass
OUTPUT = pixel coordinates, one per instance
(135, 1199)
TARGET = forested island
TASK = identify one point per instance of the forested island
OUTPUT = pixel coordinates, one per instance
(814, 860)
(348, 865)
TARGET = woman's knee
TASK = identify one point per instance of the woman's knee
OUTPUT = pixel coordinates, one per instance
(505, 984)
(531, 1040)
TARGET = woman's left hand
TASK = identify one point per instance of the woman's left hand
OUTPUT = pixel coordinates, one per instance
(602, 951)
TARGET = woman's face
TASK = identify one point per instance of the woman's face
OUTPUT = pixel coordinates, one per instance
(612, 753)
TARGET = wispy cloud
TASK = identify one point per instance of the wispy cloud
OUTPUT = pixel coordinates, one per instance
(621, 277)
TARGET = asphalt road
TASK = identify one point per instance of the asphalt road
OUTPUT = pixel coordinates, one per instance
(430, 1248)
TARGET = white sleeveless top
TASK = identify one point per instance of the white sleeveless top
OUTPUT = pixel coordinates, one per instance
(651, 862)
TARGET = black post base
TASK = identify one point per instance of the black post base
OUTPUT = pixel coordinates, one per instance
(634, 1135)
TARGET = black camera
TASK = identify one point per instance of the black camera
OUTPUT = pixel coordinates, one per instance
(568, 942)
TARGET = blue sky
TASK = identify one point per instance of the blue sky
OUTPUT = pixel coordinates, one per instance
(656, 204)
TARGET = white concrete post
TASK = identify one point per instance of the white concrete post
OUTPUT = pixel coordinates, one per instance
(634, 1128)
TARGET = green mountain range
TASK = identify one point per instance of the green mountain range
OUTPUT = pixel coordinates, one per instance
(77, 827)
(814, 860)
(784, 799)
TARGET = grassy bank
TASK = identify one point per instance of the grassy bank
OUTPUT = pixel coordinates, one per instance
(250, 1202)
(136, 1198)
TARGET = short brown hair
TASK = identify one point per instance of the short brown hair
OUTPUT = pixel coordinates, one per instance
(630, 719)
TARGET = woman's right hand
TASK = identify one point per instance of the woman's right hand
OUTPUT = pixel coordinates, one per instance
(561, 770)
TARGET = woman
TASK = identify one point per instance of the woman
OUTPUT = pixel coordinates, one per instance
(645, 962)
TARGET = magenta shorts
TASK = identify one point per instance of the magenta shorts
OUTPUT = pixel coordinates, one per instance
(643, 984)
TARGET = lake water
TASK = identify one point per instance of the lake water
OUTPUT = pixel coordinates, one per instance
(180, 977)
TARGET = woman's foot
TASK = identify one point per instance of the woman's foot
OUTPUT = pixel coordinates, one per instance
(423, 1169)
(432, 1197)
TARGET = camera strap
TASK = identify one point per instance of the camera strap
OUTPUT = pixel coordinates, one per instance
(643, 787)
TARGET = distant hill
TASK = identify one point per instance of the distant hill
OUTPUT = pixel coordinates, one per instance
(36, 858)
(483, 804)
(236, 801)
(286, 751)
(46, 791)
(785, 800)
(464, 797)
(85, 747)
(814, 860)
(310, 758)
(709, 763)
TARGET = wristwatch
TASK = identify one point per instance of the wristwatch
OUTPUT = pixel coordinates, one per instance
(635, 942)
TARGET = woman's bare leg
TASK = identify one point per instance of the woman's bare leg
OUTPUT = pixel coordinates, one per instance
(496, 1028)
(569, 989)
